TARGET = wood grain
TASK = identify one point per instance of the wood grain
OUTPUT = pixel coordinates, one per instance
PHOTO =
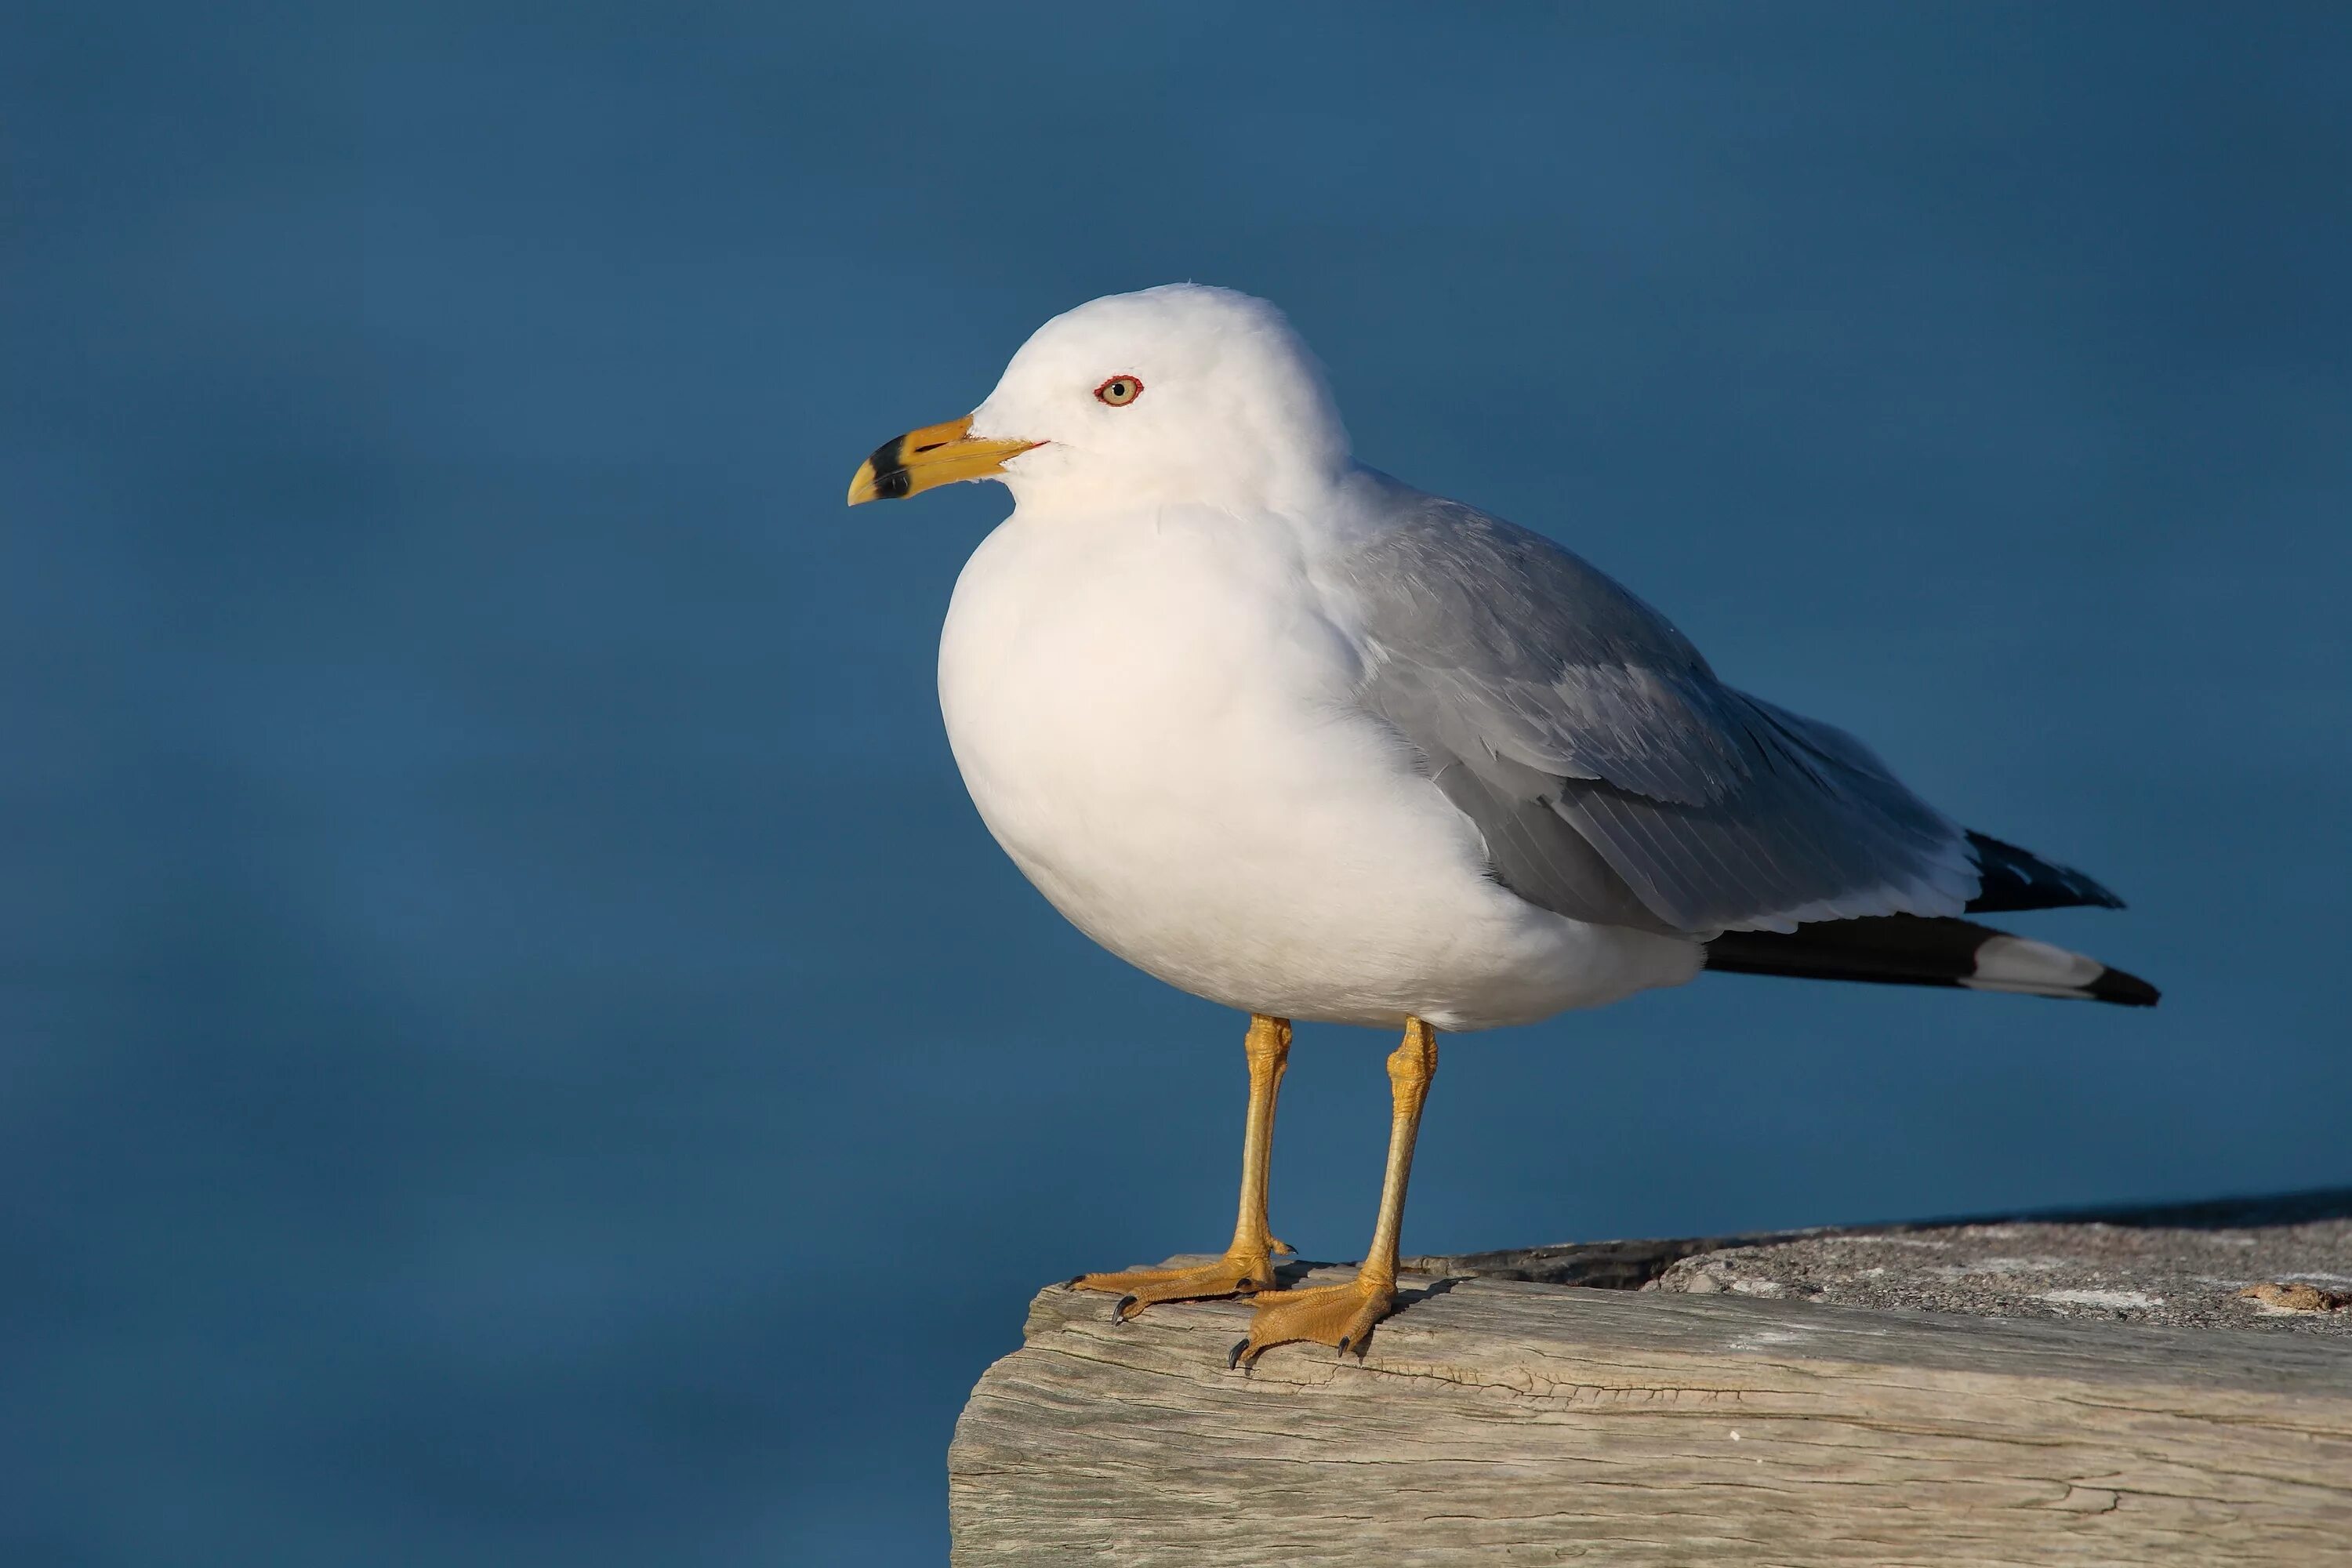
(1505, 1421)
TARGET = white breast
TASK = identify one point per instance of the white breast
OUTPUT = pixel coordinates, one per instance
(1155, 717)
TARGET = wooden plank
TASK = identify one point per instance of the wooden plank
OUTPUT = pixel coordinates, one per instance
(1507, 1421)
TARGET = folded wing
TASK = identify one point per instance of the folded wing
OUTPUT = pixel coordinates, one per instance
(1614, 777)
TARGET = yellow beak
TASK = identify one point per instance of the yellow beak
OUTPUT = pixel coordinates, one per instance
(924, 460)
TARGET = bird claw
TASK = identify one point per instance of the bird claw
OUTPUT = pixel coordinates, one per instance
(1340, 1316)
(1140, 1288)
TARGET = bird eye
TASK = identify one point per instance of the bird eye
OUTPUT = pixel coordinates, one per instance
(1119, 391)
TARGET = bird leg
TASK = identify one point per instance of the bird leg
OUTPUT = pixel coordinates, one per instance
(1247, 1265)
(1343, 1315)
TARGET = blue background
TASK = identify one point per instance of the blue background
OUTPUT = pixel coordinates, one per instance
(513, 1044)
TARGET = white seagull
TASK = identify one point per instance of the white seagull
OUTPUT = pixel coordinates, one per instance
(1304, 741)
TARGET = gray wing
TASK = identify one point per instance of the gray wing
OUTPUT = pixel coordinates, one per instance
(1614, 777)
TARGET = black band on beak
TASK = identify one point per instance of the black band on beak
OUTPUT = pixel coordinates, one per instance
(891, 481)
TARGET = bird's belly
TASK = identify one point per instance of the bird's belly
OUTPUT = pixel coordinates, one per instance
(1173, 756)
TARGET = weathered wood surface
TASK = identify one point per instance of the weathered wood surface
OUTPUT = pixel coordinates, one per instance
(1498, 1420)
(2184, 1264)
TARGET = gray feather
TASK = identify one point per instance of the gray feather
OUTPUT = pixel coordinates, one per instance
(1614, 777)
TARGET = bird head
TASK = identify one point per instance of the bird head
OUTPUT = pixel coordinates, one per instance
(1178, 393)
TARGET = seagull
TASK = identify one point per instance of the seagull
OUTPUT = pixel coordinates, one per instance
(1299, 739)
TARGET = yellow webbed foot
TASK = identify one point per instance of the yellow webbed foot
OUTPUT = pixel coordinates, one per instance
(1235, 1273)
(1337, 1315)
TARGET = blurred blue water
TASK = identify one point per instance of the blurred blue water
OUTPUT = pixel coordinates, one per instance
(503, 992)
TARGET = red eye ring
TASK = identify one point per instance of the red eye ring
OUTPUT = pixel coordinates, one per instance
(1120, 390)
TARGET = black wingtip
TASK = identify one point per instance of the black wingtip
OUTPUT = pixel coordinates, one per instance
(2124, 990)
(2014, 880)
(1915, 950)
